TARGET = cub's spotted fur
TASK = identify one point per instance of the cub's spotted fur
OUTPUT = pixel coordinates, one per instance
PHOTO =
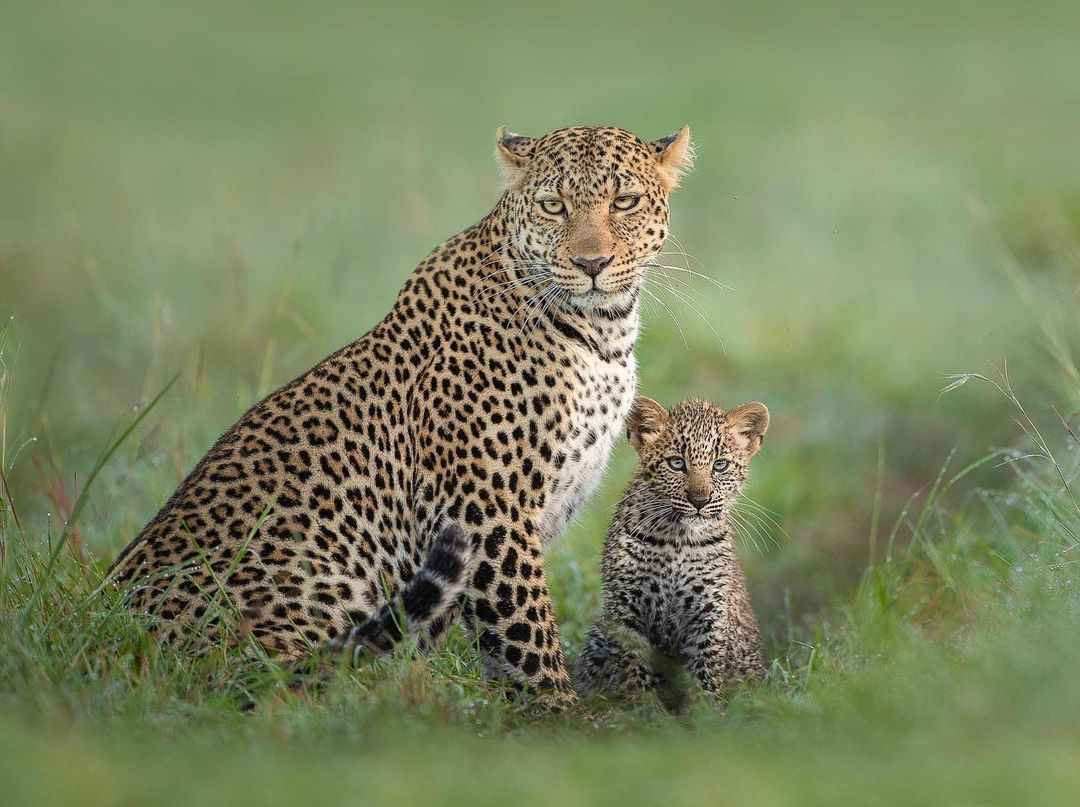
(487, 401)
(672, 586)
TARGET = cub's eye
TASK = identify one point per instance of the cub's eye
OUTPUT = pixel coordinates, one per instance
(676, 463)
(553, 207)
(721, 465)
(626, 202)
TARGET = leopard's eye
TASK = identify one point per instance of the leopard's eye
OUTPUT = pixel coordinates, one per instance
(676, 463)
(627, 201)
(553, 207)
(721, 465)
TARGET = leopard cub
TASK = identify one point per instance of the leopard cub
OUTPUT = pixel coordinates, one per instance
(674, 595)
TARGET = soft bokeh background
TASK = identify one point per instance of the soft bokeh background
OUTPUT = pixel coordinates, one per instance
(232, 191)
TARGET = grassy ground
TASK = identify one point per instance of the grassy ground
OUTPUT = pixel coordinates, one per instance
(230, 192)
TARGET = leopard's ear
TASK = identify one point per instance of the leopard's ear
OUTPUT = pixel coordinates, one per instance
(513, 152)
(646, 420)
(750, 421)
(674, 156)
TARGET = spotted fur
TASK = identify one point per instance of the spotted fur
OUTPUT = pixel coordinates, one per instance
(673, 590)
(486, 402)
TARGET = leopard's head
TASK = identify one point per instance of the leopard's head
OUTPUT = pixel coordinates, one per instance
(587, 208)
(694, 458)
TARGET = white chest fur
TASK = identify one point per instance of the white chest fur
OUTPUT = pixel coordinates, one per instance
(600, 403)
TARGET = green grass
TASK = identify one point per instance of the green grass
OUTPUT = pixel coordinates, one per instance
(230, 192)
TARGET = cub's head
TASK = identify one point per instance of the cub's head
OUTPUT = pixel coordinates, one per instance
(695, 457)
(587, 207)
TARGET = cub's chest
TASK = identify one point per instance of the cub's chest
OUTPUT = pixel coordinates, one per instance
(674, 583)
(597, 404)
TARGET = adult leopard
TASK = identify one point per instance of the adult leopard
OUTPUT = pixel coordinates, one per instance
(443, 450)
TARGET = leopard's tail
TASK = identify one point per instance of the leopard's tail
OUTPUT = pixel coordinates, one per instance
(429, 596)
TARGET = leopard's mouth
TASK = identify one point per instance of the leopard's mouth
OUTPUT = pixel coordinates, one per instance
(622, 273)
(596, 299)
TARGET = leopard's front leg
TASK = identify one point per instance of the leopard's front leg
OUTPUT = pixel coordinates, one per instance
(510, 610)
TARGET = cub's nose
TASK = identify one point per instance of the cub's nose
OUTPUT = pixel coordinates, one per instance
(592, 266)
(698, 498)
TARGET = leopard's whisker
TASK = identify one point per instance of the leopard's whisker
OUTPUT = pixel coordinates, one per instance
(765, 541)
(505, 289)
(714, 281)
(767, 523)
(535, 300)
(545, 299)
(767, 530)
(695, 308)
(682, 252)
(746, 499)
(743, 531)
(670, 313)
(639, 517)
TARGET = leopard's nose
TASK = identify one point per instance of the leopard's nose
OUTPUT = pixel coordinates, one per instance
(592, 266)
(699, 498)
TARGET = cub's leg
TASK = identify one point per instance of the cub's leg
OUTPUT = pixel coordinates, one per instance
(707, 664)
(607, 666)
(724, 652)
(509, 608)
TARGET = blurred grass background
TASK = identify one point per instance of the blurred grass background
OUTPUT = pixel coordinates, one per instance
(233, 190)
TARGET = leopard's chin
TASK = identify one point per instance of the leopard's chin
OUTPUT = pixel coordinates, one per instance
(619, 303)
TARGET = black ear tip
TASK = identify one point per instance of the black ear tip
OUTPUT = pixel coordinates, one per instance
(664, 142)
(509, 139)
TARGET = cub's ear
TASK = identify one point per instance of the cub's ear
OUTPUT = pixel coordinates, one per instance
(674, 156)
(513, 152)
(646, 420)
(750, 421)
